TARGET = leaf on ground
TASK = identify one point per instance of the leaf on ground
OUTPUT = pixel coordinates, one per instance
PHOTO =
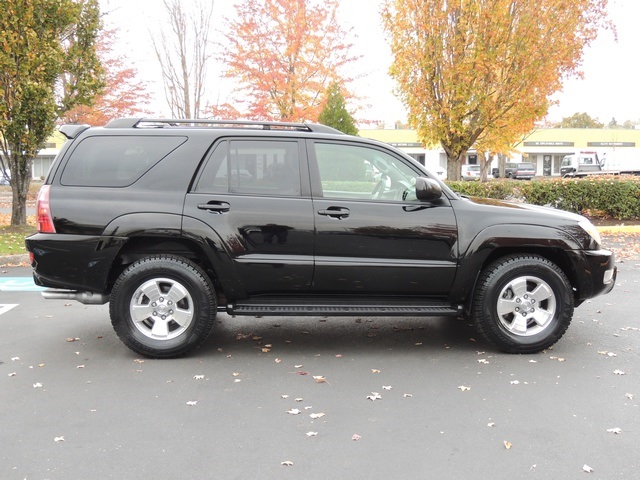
(198, 377)
(507, 444)
(293, 411)
(15, 359)
(284, 396)
(12, 374)
(618, 372)
(37, 385)
(192, 403)
(587, 468)
(629, 396)
(58, 439)
(407, 395)
(375, 370)
(312, 434)
(356, 437)
(374, 396)
(464, 388)
(514, 382)
(387, 387)
(316, 415)
(287, 463)
(73, 339)
(320, 379)
(614, 430)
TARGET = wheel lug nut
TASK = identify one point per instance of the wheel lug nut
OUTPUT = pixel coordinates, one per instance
(524, 314)
(533, 310)
(164, 317)
(526, 296)
(170, 312)
(161, 299)
(518, 300)
(154, 304)
(169, 302)
(155, 313)
(517, 309)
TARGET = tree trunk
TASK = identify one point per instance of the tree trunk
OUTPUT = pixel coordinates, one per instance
(20, 181)
(454, 166)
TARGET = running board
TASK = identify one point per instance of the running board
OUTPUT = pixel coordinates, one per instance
(342, 308)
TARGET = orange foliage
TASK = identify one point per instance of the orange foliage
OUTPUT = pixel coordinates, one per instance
(283, 55)
(123, 96)
(480, 73)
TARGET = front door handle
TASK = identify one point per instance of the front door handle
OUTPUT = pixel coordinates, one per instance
(335, 212)
(215, 207)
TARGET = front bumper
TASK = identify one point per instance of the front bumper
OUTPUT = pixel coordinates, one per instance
(597, 273)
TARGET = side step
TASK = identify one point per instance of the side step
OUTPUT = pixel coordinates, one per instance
(333, 307)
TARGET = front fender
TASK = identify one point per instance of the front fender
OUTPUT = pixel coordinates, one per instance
(507, 238)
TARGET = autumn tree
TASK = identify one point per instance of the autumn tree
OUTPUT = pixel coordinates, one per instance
(283, 55)
(184, 54)
(123, 96)
(579, 120)
(48, 65)
(335, 113)
(479, 72)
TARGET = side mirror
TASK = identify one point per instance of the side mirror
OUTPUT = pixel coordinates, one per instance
(427, 189)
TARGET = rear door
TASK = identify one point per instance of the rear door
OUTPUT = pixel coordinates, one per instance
(251, 205)
(372, 235)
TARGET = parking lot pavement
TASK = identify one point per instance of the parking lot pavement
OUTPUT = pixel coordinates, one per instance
(399, 398)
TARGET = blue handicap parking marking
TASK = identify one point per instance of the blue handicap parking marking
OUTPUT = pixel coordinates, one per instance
(19, 284)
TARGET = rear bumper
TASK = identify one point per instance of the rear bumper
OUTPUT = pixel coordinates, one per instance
(74, 262)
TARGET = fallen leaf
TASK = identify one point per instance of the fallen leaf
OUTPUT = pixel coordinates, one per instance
(73, 339)
(235, 374)
(302, 373)
(320, 379)
(12, 374)
(629, 396)
(298, 399)
(58, 439)
(483, 360)
(298, 366)
(374, 396)
(355, 437)
(587, 468)
(514, 382)
(491, 424)
(265, 350)
(614, 430)
(373, 370)
(284, 396)
(192, 403)
(37, 385)
(619, 372)
(387, 387)
(287, 463)
(533, 361)
(507, 444)
(137, 360)
(198, 377)
(80, 366)
(311, 434)
(277, 360)
(15, 359)
(338, 355)
(293, 411)
(316, 415)
(407, 395)
(463, 388)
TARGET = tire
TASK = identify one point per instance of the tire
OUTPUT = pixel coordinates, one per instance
(163, 306)
(523, 303)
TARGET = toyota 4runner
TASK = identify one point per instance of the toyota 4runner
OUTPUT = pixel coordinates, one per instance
(172, 221)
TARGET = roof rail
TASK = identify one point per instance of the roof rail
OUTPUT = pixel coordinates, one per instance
(136, 122)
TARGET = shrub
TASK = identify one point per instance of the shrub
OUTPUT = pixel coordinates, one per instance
(615, 197)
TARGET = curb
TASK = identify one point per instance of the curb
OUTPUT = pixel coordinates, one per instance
(14, 260)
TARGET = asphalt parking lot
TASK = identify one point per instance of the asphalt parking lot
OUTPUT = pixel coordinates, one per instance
(404, 398)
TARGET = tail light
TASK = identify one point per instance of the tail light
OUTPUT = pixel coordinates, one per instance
(43, 212)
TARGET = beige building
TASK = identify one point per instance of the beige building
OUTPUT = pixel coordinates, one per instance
(543, 147)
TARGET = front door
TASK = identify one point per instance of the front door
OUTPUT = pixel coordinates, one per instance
(372, 235)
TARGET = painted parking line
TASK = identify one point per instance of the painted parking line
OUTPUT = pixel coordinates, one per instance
(5, 307)
(19, 284)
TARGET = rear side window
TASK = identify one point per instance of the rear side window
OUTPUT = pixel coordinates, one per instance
(115, 161)
(257, 167)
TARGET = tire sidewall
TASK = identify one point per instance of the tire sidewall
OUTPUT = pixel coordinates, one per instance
(179, 270)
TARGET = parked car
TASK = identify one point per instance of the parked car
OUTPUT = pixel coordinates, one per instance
(172, 221)
(523, 170)
(470, 172)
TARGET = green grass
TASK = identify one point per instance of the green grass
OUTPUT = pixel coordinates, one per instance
(12, 239)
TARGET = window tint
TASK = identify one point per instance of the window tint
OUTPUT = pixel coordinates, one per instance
(113, 161)
(355, 172)
(259, 167)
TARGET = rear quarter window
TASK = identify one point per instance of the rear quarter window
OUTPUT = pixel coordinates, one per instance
(115, 161)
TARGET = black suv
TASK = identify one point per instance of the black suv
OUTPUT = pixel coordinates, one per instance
(171, 221)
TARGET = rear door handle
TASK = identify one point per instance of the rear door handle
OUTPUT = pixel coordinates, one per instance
(335, 212)
(215, 207)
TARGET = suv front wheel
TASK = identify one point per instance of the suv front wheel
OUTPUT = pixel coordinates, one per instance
(523, 303)
(163, 306)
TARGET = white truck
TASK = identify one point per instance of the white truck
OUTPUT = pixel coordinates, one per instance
(587, 163)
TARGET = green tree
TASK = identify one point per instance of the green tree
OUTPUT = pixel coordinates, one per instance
(48, 65)
(480, 73)
(335, 113)
(579, 120)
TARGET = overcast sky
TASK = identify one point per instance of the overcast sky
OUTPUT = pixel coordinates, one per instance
(609, 88)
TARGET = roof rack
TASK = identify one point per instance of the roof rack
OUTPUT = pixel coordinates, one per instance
(184, 122)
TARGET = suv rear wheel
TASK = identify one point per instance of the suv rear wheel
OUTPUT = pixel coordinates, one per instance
(163, 306)
(523, 303)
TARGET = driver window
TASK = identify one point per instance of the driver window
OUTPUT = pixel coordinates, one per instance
(352, 172)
